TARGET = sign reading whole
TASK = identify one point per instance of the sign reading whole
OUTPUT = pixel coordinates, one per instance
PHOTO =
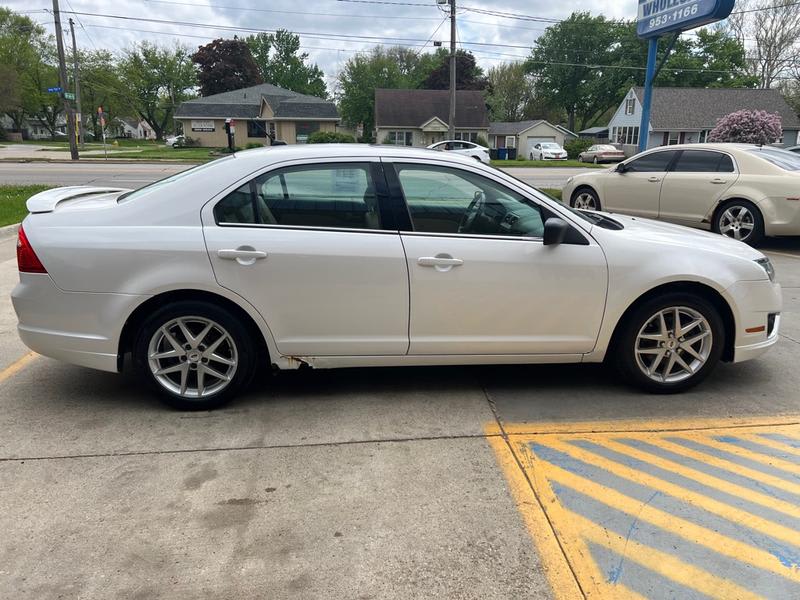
(657, 17)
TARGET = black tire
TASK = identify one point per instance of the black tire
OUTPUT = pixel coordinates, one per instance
(240, 343)
(757, 219)
(623, 354)
(582, 191)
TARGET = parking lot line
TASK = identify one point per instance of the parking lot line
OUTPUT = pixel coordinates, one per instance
(661, 509)
(17, 366)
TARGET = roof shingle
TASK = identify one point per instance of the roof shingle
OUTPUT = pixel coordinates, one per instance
(413, 108)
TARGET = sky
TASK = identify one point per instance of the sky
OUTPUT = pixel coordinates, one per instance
(326, 27)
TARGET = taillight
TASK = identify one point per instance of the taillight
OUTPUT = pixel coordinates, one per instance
(27, 261)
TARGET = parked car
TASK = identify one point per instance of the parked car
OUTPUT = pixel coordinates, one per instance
(741, 191)
(548, 151)
(795, 149)
(175, 140)
(475, 151)
(601, 153)
(330, 256)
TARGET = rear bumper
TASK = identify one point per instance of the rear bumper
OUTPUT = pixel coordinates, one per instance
(76, 327)
(757, 307)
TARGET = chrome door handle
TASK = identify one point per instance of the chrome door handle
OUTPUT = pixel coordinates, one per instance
(244, 255)
(719, 181)
(439, 261)
(654, 179)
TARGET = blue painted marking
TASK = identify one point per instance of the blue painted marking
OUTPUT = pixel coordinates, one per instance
(788, 555)
(718, 472)
(657, 17)
(690, 484)
(760, 449)
(783, 439)
(729, 456)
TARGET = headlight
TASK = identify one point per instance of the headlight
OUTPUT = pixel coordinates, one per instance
(767, 266)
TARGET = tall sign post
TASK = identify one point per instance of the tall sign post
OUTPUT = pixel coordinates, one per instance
(659, 17)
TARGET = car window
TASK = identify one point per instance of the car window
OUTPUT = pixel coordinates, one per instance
(703, 161)
(445, 200)
(221, 164)
(787, 161)
(656, 162)
(340, 196)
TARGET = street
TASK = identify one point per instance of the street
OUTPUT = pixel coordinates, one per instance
(401, 483)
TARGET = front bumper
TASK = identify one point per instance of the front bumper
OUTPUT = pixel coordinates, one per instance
(77, 327)
(756, 306)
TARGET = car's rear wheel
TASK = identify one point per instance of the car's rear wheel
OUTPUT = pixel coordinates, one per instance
(196, 355)
(585, 199)
(740, 220)
(671, 343)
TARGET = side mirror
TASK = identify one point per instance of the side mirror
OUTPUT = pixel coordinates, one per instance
(621, 168)
(555, 230)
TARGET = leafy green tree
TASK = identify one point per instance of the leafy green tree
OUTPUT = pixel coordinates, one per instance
(280, 62)
(469, 76)
(158, 79)
(101, 85)
(225, 65)
(511, 92)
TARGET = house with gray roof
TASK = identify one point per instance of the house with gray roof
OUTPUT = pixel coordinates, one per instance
(524, 135)
(687, 115)
(259, 112)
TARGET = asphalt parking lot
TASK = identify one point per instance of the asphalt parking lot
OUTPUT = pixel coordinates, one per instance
(495, 482)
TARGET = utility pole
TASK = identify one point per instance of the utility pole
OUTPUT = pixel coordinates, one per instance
(451, 132)
(79, 114)
(62, 82)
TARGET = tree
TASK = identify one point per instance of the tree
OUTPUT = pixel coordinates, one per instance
(511, 92)
(158, 79)
(278, 59)
(394, 68)
(774, 26)
(469, 76)
(748, 127)
(225, 65)
(101, 85)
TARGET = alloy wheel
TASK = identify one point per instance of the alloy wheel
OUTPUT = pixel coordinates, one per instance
(737, 222)
(674, 344)
(585, 201)
(193, 357)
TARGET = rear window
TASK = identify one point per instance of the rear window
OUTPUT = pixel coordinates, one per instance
(174, 179)
(788, 161)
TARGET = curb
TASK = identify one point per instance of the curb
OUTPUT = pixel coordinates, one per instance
(9, 231)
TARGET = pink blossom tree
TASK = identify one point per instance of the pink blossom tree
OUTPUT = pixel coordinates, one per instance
(748, 127)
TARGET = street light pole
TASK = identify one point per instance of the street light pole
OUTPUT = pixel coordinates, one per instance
(451, 122)
(79, 115)
(62, 82)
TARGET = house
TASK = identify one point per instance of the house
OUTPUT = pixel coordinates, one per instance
(524, 135)
(258, 112)
(32, 129)
(420, 117)
(598, 134)
(136, 129)
(687, 115)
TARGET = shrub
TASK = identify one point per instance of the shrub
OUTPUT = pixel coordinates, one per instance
(252, 145)
(576, 146)
(187, 142)
(330, 137)
(227, 150)
(481, 141)
(748, 127)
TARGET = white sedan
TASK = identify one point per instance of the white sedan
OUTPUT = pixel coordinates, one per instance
(741, 191)
(356, 256)
(175, 140)
(548, 151)
(475, 151)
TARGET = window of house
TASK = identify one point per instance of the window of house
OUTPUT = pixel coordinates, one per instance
(338, 196)
(673, 138)
(401, 138)
(511, 141)
(466, 136)
(655, 162)
(256, 129)
(447, 201)
(628, 136)
(630, 106)
(704, 136)
(303, 129)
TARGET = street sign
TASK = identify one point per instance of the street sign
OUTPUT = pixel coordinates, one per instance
(69, 95)
(53, 90)
(657, 17)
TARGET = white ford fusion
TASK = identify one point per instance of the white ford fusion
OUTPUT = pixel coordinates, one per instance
(351, 256)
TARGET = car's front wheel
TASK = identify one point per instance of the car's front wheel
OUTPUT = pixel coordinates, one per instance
(671, 343)
(195, 354)
(740, 220)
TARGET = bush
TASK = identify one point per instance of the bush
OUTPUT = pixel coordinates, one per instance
(187, 142)
(576, 146)
(252, 145)
(481, 141)
(748, 127)
(227, 150)
(330, 137)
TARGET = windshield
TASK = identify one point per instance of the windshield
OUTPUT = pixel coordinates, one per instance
(551, 146)
(168, 181)
(607, 148)
(788, 161)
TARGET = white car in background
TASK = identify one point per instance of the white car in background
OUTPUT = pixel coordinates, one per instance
(475, 151)
(348, 255)
(175, 140)
(741, 191)
(548, 151)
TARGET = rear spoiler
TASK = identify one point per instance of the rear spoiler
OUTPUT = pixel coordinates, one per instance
(46, 201)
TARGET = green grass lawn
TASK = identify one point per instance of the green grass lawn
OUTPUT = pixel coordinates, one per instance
(555, 193)
(508, 164)
(188, 154)
(12, 201)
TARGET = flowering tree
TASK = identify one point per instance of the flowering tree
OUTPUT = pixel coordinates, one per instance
(748, 127)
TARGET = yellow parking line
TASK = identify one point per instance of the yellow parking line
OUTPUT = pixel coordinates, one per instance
(783, 465)
(720, 508)
(17, 366)
(784, 448)
(697, 534)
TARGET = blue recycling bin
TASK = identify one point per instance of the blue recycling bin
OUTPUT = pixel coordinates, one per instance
(502, 153)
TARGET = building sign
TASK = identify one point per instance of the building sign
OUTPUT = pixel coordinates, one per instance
(657, 17)
(202, 125)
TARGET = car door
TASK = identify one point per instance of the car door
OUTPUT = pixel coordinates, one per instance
(312, 248)
(636, 190)
(694, 185)
(482, 281)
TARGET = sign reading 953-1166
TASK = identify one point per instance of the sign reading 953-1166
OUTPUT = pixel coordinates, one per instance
(657, 17)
